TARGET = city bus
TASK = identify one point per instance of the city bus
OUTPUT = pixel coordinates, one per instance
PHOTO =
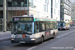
(63, 25)
(32, 29)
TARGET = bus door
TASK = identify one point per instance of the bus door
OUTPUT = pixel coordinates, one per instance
(47, 33)
(39, 29)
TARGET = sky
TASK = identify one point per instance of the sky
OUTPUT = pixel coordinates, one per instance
(73, 0)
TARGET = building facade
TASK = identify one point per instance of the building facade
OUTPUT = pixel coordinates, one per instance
(39, 8)
(35, 8)
(65, 12)
(55, 9)
(73, 12)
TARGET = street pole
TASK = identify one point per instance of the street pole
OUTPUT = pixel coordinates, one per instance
(4, 15)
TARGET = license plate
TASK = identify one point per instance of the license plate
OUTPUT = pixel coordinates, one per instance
(22, 41)
(19, 36)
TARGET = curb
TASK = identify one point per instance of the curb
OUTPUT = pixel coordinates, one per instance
(5, 39)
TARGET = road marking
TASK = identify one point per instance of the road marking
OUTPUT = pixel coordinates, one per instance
(35, 46)
(65, 34)
(31, 48)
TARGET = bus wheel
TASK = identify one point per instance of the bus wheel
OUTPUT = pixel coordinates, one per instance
(42, 39)
(53, 36)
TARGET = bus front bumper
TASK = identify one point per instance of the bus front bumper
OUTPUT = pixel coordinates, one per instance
(24, 40)
(61, 28)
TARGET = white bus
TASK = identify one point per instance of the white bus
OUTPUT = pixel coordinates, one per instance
(63, 25)
(32, 30)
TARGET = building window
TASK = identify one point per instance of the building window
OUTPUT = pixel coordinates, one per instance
(1, 3)
(51, 12)
(47, 1)
(45, 8)
(1, 14)
(19, 13)
(56, 5)
(24, 12)
(51, 3)
(9, 3)
(54, 11)
(31, 3)
(51, 8)
(14, 13)
(17, 3)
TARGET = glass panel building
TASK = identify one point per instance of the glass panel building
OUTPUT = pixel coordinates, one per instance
(17, 3)
(73, 12)
(65, 12)
(14, 8)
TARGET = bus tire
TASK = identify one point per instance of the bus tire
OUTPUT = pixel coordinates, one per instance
(42, 39)
(53, 36)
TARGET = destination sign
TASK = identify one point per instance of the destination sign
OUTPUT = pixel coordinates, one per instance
(22, 19)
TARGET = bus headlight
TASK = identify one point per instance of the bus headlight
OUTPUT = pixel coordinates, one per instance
(33, 39)
(12, 36)
(12, 39)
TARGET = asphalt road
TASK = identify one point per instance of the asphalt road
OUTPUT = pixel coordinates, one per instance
(64, 41)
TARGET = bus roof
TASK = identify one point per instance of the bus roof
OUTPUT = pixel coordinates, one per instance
(44, 19)
(33, 19)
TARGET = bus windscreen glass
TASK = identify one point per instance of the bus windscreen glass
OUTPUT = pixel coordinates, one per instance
(22, 28)
(61, 24)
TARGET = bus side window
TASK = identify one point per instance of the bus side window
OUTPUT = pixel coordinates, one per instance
(39, 27)
(36, 27)
(42, 26)
(51, 26)
(55, 25)
(47, 26)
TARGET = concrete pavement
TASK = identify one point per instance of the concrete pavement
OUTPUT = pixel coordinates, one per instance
(5, 35)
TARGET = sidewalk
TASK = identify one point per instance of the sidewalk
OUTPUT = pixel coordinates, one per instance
(5, 35)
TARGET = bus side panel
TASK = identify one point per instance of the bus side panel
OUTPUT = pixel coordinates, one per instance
(51, 33)
(38, 36)
(56, 32)
(47, 34)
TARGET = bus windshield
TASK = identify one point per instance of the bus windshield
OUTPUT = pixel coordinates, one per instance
(22, 28)
(61, 24)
